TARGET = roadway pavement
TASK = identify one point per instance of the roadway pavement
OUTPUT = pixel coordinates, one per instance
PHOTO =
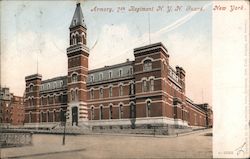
(191, 145)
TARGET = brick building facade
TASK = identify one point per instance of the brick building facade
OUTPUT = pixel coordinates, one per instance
(11, 108)
(145, 91)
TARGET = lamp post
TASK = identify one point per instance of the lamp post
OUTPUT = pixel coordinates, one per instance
(64, 124)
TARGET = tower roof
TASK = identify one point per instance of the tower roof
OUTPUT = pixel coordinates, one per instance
(78, 19)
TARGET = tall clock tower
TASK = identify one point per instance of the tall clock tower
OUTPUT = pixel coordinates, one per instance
(78, 54)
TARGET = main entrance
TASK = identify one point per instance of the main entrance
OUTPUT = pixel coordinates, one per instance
(74, 116)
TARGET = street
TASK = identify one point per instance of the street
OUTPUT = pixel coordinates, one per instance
(195, 145)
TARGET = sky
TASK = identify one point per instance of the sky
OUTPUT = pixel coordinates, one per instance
(34, 31)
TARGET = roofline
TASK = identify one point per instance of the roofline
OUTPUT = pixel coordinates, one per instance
(111, 67)
(53, 79)
(151, 45)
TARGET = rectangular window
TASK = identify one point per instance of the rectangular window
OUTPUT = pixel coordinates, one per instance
(110, 74)
(131, 70)
(100, 76)
(120, 73)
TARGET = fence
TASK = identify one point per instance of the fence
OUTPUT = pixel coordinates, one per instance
(15, 139)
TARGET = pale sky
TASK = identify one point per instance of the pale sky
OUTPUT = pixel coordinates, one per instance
(39, 30)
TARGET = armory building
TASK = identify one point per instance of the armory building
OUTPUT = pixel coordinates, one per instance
(139, 93)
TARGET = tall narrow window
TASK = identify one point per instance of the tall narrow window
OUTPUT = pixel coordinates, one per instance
(120, 111)
(101, 112)
(30, 117)
(76, 95)
(92, 78)
(74, 39)
(131, 70)
(110, 91)
(92, 113)
(101, 93)
(41, 117)
(148, 109)
(72, 95)
(120, 90)
(147, 65)
(120, 73)
(110, 74)
(48, 120)
(132, 89)
(54, 116)
(110, 112)
(151, 85)
(91, 94)
(144, 86)
(100, 76)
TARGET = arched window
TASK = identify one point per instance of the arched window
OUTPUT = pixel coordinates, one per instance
(110, 91)
(144, 86)
(92, 115)
(120, 111)
(152, 85)
(120, 90)
(76, 95)
(74, 39)
(91, 94)
(132, 91)
(101, 113)
(110, 112)
(147, 65)
(72, 95)
(148, 109)
(31, 88)
(101, 93)
(31, 102)
(78, 38)
(74, 78)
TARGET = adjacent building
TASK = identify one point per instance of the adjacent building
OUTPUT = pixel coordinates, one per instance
(11, 108)
(139, 93)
